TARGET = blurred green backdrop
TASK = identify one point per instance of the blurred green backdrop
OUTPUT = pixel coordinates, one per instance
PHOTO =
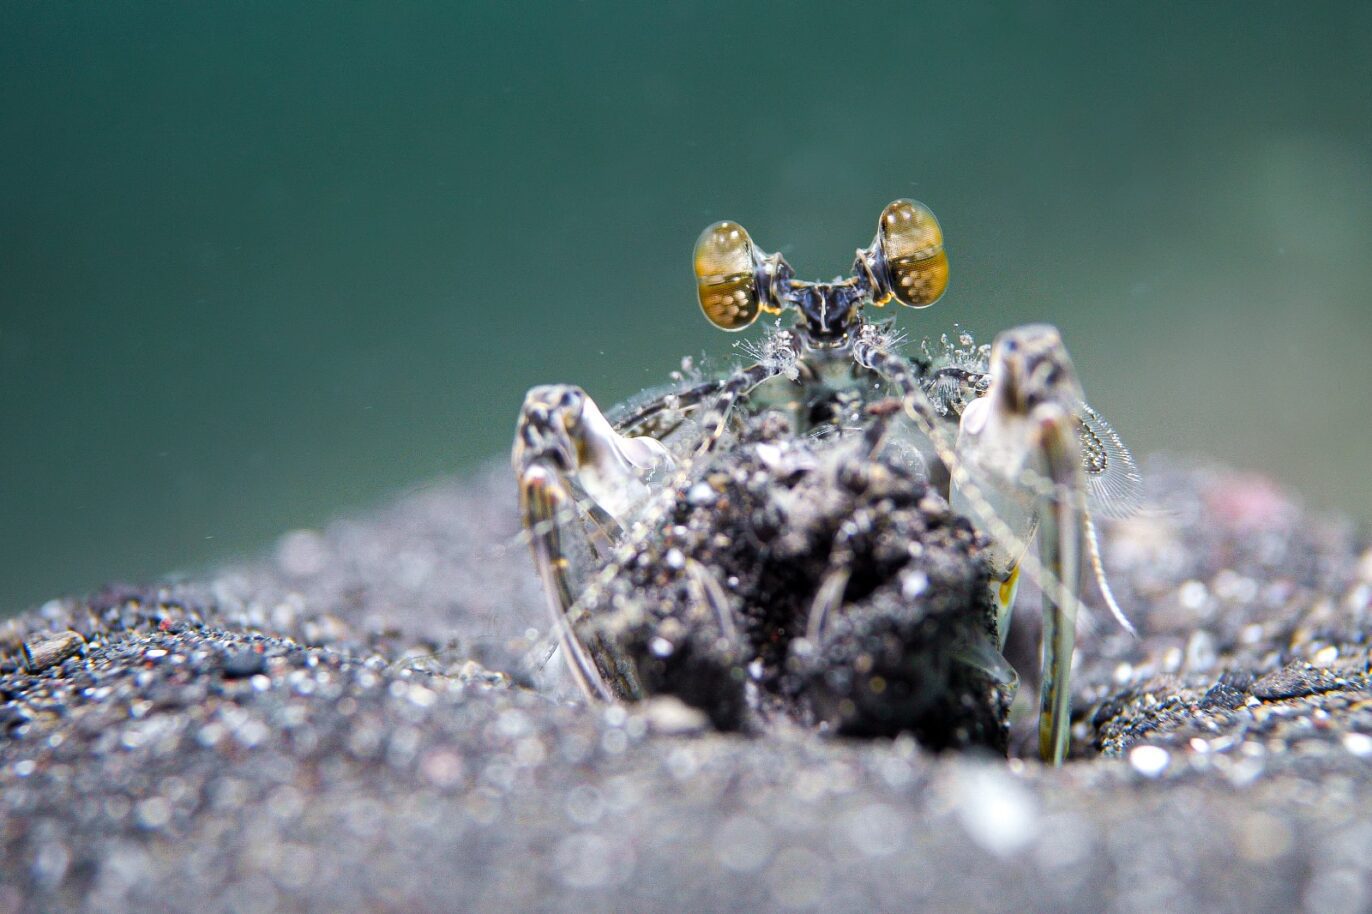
(264, 262)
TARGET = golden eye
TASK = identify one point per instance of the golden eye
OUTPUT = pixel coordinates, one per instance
(726, 276)
(912, 245)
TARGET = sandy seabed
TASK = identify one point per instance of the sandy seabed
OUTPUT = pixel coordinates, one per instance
(358, 722)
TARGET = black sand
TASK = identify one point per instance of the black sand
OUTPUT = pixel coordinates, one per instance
(327, 731)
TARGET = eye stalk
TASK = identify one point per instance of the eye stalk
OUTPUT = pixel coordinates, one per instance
(734, 282)
(906, 260)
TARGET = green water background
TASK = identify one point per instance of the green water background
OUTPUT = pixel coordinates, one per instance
(262, 263)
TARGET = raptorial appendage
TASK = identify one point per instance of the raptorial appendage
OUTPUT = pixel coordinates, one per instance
(578, 474)
(1019, 447)
(572, 465)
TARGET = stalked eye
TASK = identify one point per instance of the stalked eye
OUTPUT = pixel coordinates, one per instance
(726, 276)
(912, 246)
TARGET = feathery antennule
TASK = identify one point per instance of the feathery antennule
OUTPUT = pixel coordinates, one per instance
(774, 349)
(958, 373)
(965, 354)
(885, 335)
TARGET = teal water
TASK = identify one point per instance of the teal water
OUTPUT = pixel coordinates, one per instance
(261, 263)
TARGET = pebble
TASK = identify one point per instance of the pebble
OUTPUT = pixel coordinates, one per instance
(1149, 761)
(11, 719)
(51, 650)
(667, 715)
(700, 495)
(997, 811)
(244, 664)
(1360, 744)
